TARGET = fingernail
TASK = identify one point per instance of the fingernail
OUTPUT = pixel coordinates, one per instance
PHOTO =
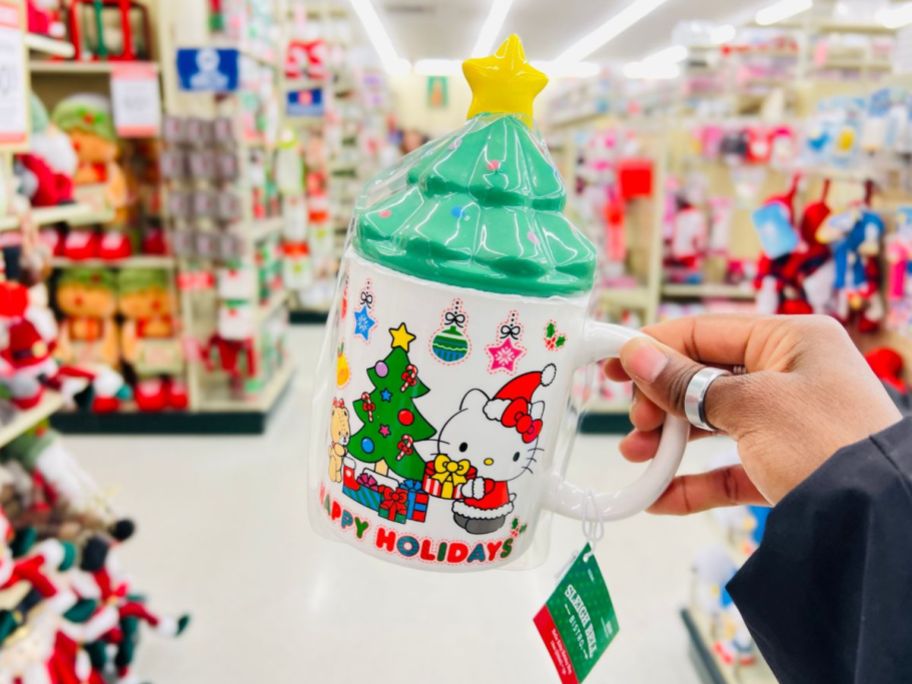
(643, 360)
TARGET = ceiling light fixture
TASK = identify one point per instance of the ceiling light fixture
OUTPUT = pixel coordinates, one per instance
(896, 16)
(379, 37)
(490, 30)
(782, 10)
(635, 12)
(453, 67)
(724, 33)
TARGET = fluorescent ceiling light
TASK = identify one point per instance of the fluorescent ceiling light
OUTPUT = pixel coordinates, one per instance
(782, 10)
(635, 12)
(379, 37)
(556, 69)
(453, 67)
(670, 55)
(490, 30)
(896, 16)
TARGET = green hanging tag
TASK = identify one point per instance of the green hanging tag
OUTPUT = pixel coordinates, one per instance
(578, 622)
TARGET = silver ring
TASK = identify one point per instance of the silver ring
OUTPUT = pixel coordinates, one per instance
(695, 397)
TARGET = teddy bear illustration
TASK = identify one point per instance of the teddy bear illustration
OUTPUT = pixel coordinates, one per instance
(340, 432)
(499, 436)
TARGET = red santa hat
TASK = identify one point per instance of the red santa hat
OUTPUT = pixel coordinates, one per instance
(513, 407)
(26, 345)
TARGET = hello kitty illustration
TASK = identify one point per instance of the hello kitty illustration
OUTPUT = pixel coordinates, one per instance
(499, 436)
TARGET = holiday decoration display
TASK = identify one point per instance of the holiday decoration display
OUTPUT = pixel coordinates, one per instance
(115, 25)
(448, 445)
(148, 339)
(450, 344)
(392, 404)
(50, 163)
(100, 179)
(87, 297)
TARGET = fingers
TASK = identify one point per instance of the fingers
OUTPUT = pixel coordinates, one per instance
(688, 494)
(717, 339)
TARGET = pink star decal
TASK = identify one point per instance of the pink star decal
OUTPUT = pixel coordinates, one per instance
(385, 430)
(504, 356)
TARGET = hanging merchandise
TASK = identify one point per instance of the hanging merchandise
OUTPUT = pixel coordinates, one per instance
(447, 462)
(109, 30)
(854, 237)
(687, 247)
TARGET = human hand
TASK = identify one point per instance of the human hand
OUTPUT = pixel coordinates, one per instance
(807, 393)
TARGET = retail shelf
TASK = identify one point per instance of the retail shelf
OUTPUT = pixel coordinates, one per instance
(74, 214)
(275, 302)
(38, 66)
(307, 316)
(831, 27)
(632, 297)
(49, 46)
(855, 64)
(129, 262)
(264, 401)
(605, 407)
(711, 668)
(708, 291)
(24, 420)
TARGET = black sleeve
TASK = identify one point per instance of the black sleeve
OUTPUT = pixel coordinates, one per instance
(828, 595)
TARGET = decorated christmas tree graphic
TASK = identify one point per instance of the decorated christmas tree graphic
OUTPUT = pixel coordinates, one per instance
(392, 425)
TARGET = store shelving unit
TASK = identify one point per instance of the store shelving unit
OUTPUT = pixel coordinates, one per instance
(713, 669)
(142, 261)
(25, 420)
(73, 214)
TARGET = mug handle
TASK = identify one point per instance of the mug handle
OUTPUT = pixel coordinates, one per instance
(603, 341)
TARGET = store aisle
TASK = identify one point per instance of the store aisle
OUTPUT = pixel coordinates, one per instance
(224, 534)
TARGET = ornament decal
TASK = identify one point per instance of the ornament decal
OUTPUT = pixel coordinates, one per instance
(450, 345)
(343, 370)
(554, 340)
(364, 322)
(507, 350)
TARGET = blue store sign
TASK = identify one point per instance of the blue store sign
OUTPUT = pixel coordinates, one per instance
(208, 69)
(303, 103)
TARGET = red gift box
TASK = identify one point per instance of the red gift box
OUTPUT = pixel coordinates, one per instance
(394, 504)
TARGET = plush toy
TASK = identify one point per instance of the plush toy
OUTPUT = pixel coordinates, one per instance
(122, 29)
(87, 297)
(854, 237)
(43, 18)
(899, 256)
(51, 160)
(148, 339)
(100, 180)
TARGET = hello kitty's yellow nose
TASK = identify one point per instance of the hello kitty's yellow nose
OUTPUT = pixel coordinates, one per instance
(488, 461)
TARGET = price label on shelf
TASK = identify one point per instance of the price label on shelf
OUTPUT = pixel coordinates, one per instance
(14, 114)
(136, 100)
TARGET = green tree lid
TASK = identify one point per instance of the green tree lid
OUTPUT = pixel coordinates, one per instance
(481, 207)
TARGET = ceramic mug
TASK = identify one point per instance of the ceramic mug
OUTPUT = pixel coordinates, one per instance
(437, 449)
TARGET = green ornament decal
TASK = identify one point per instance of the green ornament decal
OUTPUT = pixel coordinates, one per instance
(480, 208)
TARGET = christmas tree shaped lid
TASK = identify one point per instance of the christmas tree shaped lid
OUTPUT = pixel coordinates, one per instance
(481, 207)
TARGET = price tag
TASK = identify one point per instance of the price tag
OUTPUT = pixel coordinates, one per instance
(14, 114)
(578, 622)
(136, 100)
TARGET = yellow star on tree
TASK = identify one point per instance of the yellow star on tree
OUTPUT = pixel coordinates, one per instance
(504, 83)
(401, 337)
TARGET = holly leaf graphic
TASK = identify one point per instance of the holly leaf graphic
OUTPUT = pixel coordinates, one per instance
(551, 329)
(561, 341)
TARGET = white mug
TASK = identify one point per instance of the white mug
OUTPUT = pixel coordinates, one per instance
(438, 418)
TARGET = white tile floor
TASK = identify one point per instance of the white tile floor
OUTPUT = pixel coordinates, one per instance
(223, 533)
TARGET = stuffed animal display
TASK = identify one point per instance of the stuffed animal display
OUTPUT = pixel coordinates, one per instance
(87, 297)
(49, 166)
(68, 614)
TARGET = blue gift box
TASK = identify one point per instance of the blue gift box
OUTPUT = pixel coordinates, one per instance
(369, 498)
(417, 500)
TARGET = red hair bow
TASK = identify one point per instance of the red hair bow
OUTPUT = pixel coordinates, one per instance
(516, 415)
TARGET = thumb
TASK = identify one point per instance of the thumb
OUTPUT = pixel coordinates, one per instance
(663, 374)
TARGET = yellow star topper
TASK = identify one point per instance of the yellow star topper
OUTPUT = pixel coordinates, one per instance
(401, 337)
(504, 83)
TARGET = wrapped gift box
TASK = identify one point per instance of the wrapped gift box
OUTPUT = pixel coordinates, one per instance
(394, 504)
(440, 483)
(417, 500)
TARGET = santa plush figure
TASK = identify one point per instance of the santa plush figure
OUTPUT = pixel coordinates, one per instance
(499, 436)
